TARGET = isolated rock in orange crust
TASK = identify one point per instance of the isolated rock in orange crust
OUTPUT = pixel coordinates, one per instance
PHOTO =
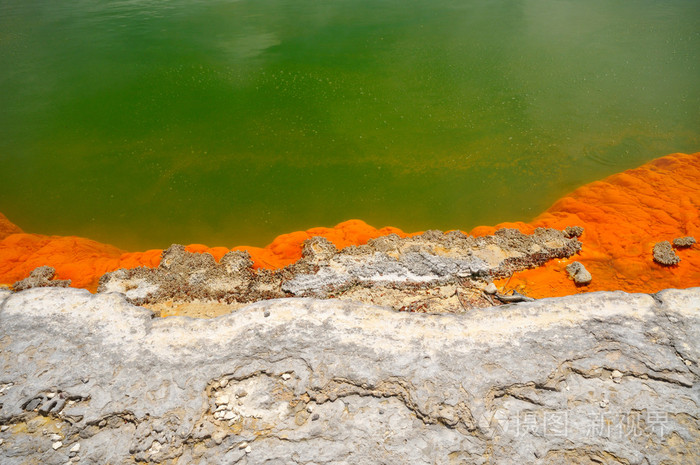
(623, 217)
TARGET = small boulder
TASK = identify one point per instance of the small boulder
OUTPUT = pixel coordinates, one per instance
(665, 255)
(579, 273)
(683, 242)
(491, 289)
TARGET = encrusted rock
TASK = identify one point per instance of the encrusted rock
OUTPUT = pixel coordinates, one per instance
(412, 273)
(318, 249)
(573, 231)
(41, 277)
(683, 242)
(579, 273)
(186, 276)
(665, 255)
(236, 262)
(491, 289)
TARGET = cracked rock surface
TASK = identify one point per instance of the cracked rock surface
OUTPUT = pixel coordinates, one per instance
(593, 378)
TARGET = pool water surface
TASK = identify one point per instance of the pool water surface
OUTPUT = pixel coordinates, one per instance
(146, 123)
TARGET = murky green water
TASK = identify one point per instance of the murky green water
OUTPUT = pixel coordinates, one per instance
(145, 122)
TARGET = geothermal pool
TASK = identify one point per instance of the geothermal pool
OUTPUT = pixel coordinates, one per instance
(145, 123)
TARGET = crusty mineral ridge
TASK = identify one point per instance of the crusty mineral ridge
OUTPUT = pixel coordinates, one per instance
(594, 378)
(41, 276)
(406, 271)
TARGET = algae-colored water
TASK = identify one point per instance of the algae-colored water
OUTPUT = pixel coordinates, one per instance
(142, 123)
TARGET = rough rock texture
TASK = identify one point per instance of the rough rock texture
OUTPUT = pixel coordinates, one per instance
(431, 272)
(579, 273)
(41, 276)
(683, 242)
(573, 231)
(596, 378)
(665, 255)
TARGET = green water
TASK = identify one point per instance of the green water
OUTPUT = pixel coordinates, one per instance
(142, 122)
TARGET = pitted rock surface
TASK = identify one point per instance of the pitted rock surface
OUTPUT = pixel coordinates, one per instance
(684, 242)
(664, 254)
(593, 378)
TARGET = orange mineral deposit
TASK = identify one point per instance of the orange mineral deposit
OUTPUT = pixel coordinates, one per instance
(623, 217)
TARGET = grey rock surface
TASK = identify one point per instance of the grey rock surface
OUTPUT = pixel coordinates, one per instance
(579, 273)
(593, 378)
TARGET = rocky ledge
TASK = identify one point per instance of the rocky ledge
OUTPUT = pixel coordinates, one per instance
(595, 378)
(433, 272)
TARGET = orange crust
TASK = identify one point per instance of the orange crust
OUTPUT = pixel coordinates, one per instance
(623, 216)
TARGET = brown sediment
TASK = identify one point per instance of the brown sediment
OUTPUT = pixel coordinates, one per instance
(622, 217)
